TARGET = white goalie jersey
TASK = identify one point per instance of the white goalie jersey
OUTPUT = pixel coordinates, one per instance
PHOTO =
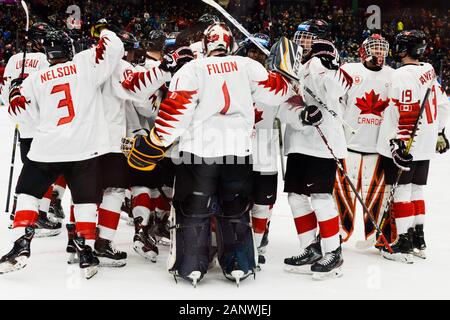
(210, 105)
(407, 90)
(364, 104)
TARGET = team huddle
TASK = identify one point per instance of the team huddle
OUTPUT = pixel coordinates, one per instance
(183, 137)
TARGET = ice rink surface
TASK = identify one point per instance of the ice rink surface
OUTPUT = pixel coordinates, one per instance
(366, 274)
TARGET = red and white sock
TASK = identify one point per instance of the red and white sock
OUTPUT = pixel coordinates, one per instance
(109, 212)
(86, 221)
(44, 203)
(142, 204)
(162, 206)
(418, 201)
(403, 208)
(304, 218)
(327, 215)
(60, 187)
(260, 217)
(26, 214)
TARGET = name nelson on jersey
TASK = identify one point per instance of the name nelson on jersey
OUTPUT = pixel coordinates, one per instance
(58, 73)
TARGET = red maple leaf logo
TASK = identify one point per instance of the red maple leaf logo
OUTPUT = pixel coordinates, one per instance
(372, 104)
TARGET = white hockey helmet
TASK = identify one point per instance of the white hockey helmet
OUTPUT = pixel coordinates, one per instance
(218, 37)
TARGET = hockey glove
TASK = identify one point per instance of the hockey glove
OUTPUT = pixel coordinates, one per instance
(146, 152)
(327, 53)
(401, 159)
(16, 100)
(311, 116)
(442, 144)
(174, 60)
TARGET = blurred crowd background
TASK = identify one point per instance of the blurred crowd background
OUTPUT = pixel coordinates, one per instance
(274, 17)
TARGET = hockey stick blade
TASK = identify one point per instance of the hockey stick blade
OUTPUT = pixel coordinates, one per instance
(230, 18)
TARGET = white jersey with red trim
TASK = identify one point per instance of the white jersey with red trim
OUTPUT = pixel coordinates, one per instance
(34, 61)
(329, 86)
(407, 90)
(65, 101)
(265, 139)
(143, 84)
(364, 105)
(210, 105)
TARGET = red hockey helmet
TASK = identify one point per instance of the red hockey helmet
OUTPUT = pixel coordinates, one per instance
(374, 49)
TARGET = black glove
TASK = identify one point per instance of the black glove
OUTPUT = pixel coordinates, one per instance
(327, 53)
(311, 116)
(175, 59)
(401, 159)
(146, 152)
(442, 144)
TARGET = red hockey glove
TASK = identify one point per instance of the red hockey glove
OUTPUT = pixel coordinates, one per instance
(174, 60)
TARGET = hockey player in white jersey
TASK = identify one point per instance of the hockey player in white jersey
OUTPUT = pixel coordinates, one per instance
(126, 85)
(151, 189)
(65, 103)
(406, 93)
(265, 172)
(364, 104)
(311, 169)
(210, 107)
(35, 61)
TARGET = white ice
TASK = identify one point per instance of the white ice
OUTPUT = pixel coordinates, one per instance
(366, 274)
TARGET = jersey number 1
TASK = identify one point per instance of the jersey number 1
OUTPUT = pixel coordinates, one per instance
(65, 103)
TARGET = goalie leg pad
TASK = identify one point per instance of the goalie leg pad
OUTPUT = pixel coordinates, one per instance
(236, 248)
(191, 235)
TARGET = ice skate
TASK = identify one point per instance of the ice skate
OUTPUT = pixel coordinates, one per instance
(402, 249)
(302, 263)
(46, 227)
(55, 208)
(143, 243)
(419, 245)
(330, 266)
(72, 256)
(108, 255)
(161, 230)
(238, 275)
(18, 257)
(89, 263)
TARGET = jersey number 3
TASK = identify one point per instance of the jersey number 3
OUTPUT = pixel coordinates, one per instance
(65, 103)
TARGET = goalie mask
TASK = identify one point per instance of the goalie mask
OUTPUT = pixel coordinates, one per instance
(218, 37)
(374, 50)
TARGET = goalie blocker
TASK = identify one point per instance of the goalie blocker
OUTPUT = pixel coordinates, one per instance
(146, 152)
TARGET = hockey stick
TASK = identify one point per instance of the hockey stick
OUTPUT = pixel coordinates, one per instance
(280, 140)
(236, 24)
(352, 186)
(362, 245)
(11, 169)
(16, 129)
(25, 8)
(332, 112)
